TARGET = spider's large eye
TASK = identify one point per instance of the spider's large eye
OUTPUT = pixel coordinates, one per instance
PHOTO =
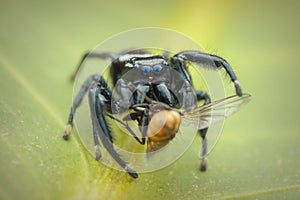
(146, 69)
(157, 68)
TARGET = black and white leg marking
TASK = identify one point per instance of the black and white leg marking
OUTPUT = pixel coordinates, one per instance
(203, 96)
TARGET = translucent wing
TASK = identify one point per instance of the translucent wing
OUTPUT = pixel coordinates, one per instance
(215, 111)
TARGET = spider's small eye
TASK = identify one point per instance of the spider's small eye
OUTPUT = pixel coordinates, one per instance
(166, 63)
(157, 68)
(135, 66)
(146, 69)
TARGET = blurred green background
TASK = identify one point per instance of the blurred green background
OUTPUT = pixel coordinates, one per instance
(41, 42)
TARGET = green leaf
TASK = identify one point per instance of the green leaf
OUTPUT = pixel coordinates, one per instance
(257, 156)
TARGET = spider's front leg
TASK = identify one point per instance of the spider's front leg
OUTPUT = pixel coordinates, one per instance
(99, 101)
(106, 93)
(78, 99)
(86, 85)
(102, 130)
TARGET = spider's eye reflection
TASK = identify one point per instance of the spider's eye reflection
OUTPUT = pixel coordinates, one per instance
(157, 68)
(146, 69)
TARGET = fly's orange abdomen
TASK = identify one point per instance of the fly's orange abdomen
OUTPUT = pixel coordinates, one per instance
(163, 126)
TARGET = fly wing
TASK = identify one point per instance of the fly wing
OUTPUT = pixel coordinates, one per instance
(215, 111)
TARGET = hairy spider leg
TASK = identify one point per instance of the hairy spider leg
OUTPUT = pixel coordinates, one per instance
(210, 61)
(201, 95)
(78, 99)
(102, 129)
